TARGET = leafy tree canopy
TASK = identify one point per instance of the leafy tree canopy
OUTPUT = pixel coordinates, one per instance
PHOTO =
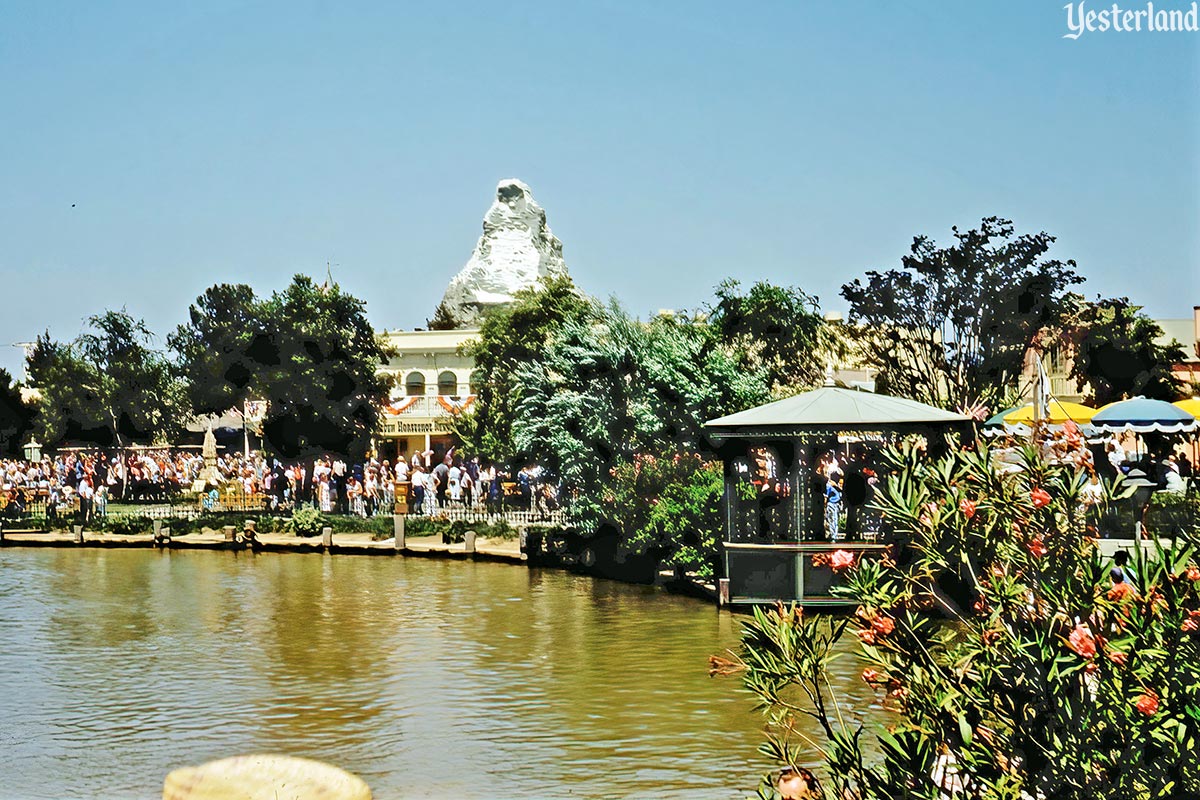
(776, 329)
(952, 325)
(308, 350)
(510, 336)
(108, 387)
(1117, 354)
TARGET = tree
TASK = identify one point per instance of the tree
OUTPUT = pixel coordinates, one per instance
(1117, 354)
(510, 336)
(778, 329)
(317, 360)
(308, 351)
(1057, 681)
(16, 417)
(952, 325)
(213, 350)
(608, 391)
(108, 387)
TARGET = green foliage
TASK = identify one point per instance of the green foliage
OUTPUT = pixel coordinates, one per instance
(108, 387)
(308, 350)
(607, 389)
(510, 336)
(775, 330)
(951, 326)
(1117, 355)
(305, 521)
(1055, 682)
(671, 504)
(16, 418)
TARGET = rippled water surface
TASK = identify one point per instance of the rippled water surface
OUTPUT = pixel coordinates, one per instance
(430, 679)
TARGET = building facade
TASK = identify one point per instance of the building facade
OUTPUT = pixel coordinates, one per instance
(432, 382)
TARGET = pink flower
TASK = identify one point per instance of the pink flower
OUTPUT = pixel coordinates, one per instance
(1082, 641)
(967, 507)
(884, 625)
(841, 559)
(1118, 658)
(869, 675)
(1040, 497)
(1193, 573)
(1147, 703)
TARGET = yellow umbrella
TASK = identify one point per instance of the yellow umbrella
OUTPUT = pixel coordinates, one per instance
(1191, 406)
(1058, 413)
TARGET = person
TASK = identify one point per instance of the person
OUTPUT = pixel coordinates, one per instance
(1121, 560)
(417, 476)
(454, 483)
(441, 474)
(833, 505)
(1185, 465)
(1116, 456)
(1173, 481)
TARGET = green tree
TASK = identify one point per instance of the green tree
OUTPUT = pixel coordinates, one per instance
(1117, 352)
(510, 336)
(605, 392)
(776, 329)
(109, 387)
(1056, 681)
(16, 417)
(952, 325)
(319, 364)
(213, 349)
(309, 351)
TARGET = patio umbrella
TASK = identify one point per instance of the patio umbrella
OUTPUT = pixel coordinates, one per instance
(1142, 415)
(1191, 406)
(996, 426)
(1058, 412)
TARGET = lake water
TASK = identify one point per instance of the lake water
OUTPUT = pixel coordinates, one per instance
(430, 679)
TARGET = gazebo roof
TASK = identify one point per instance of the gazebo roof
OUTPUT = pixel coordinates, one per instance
(831, 406)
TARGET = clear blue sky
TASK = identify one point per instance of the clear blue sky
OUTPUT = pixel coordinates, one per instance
(672, 145)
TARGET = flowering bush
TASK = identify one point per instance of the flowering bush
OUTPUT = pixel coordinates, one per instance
(670, 504)
(1049, 681)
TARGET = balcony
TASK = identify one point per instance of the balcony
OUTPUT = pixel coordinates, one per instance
(421, 414)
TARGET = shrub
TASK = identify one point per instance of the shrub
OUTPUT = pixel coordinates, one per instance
(1052, 681)
(306, 521)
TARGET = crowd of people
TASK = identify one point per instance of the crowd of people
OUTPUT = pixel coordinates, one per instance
(85, 482)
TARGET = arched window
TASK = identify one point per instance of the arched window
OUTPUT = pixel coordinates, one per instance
(414, 384)
(476, 380)
(447, 383)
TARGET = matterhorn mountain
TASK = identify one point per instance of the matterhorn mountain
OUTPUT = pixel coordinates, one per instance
(515, 251)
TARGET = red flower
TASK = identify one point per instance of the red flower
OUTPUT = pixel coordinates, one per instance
(1147, 703)
(1118, 658)
(1119, 592)
(820, 559)
(1082, 641)
(884, 625)
(1192, 623)
(1040, 497)
(841, 559)
(867, 635)
(967, 507)
(1037, 547)
(869, 675)
(1193, 573)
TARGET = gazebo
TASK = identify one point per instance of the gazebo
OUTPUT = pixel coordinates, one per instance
(777, 457)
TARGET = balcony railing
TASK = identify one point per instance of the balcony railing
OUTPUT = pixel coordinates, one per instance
(429, 407)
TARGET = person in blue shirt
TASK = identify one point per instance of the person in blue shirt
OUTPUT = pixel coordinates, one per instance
(833, 505)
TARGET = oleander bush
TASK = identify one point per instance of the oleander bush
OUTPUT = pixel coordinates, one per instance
(1049, 680)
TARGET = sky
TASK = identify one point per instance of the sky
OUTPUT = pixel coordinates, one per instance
(150, 150)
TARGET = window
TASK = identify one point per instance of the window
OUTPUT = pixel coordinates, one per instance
(414, 384)
(447, 383)
(476, 380)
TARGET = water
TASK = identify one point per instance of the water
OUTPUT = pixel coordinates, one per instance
(430, 679)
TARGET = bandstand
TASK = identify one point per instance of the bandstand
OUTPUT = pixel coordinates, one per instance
(777, 460)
